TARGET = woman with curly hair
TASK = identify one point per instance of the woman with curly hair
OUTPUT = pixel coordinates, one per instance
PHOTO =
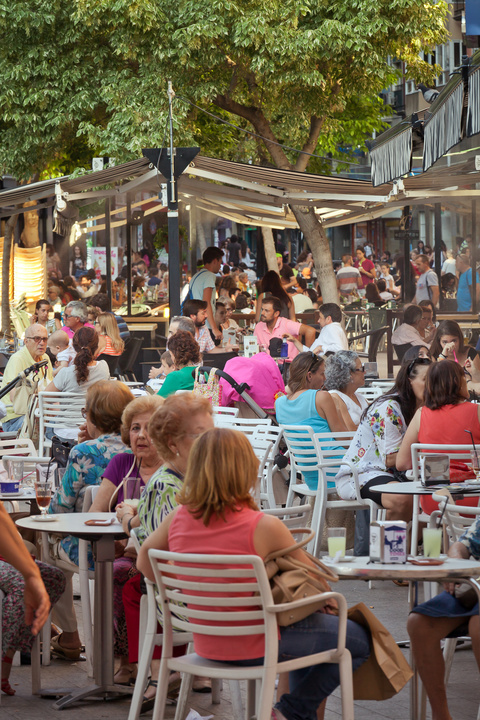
(186, 354)
(344, 374)
(85, 370)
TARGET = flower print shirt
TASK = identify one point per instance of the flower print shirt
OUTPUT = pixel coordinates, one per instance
(379, 434)
(85, 466)
(471, 539)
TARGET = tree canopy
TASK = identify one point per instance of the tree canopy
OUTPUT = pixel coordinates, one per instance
(85, 77)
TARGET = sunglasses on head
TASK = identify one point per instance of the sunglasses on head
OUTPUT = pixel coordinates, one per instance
(315, 361)
(418, 361)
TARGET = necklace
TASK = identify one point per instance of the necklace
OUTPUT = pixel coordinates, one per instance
(174, 467)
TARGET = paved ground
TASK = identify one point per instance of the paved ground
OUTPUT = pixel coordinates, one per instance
(390, 604)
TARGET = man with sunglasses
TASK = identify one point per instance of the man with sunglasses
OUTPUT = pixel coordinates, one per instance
(33, 351)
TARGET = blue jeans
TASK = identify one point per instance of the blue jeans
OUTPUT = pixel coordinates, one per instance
(13, 424)
(310, 685)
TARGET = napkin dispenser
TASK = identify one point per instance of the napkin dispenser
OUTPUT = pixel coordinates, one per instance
(435, 469)
(388, 541)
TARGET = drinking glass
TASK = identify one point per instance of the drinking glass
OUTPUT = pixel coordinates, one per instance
(337, 541)
(475, 463)
(43, 492)
(132, 492)
(432, 542)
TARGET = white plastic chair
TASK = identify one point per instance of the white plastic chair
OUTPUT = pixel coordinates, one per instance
(247, 426)
(237, 574)
(418, 450)
(148, 638)
(311, 452)
(85, 577)
(219, 410)
(58, 410)
(298, 516)
(274, 435)
(370, 393)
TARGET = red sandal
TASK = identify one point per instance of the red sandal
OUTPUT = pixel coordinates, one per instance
(5, 686)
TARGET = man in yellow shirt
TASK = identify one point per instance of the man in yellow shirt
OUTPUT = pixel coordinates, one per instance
(33, 352)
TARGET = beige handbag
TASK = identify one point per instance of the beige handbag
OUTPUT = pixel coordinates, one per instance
(291, 580)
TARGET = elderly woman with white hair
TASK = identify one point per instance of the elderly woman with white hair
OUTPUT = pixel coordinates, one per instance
(344, 374)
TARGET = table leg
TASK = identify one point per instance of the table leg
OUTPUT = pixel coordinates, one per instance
(103, 661)
(414, 533)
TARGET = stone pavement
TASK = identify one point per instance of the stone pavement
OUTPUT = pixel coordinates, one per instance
(390, 604)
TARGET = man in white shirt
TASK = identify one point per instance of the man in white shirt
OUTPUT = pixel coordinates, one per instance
(332, 336)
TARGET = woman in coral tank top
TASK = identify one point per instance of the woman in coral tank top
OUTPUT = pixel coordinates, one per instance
(217, 514)
(443, 419)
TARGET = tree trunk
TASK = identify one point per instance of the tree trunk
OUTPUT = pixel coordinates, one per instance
(269, 247)
(7, 251)
(320, 247)
(201, 238)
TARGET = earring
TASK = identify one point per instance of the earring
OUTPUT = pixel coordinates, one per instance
(178, 454)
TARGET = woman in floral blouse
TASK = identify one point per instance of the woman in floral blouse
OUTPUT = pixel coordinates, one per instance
(374, 448)
(104, 404)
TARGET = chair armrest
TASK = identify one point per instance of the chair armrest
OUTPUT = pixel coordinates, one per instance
(353, 470)
(342, 611)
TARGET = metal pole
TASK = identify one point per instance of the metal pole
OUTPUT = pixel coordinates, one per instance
(174, 259)
(108, 245)
(192, 216)
(474, 255)
(129, 254)
(438, 248)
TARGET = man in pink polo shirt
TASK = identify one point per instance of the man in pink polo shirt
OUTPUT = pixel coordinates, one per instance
(75, 316)
(274, 326)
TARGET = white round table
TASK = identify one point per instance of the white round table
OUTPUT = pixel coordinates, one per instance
(103, 540)
(361, 568)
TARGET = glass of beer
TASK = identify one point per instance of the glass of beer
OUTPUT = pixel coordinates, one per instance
(43, 492)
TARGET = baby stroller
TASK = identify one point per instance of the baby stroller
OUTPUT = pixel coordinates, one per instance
(251, 384)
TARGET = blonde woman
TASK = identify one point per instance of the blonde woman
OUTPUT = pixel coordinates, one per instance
(109, 340)
(217, 514)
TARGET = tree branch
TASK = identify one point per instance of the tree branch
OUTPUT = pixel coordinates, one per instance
(261, 126)
(311, 143)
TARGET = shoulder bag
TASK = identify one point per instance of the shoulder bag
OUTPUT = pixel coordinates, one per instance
(211, 389)
(291, 580)
(386, 671)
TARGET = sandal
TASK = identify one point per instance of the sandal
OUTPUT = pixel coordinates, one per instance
(202, 685)
(5, 686)
(148, 703)
(66, 653)
(172, 694)
(125, 675)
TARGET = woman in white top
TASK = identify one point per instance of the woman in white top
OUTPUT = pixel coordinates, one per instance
(373, 450)
(85, 370)
(344, 374)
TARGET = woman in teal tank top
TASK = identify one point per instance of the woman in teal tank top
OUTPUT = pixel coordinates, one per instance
(307, 404)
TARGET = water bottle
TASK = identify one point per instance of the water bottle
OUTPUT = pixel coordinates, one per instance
(284, 349)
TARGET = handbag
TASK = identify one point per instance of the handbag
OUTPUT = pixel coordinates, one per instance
(210, 389)
(291, 579)
(61, 450)
(386, 671)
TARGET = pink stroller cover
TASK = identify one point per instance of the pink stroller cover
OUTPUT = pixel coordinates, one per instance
(261, 372)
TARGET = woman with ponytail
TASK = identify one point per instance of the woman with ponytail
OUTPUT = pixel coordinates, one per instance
(85, 370)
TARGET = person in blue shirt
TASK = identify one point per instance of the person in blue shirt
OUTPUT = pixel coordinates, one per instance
(465, 279)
